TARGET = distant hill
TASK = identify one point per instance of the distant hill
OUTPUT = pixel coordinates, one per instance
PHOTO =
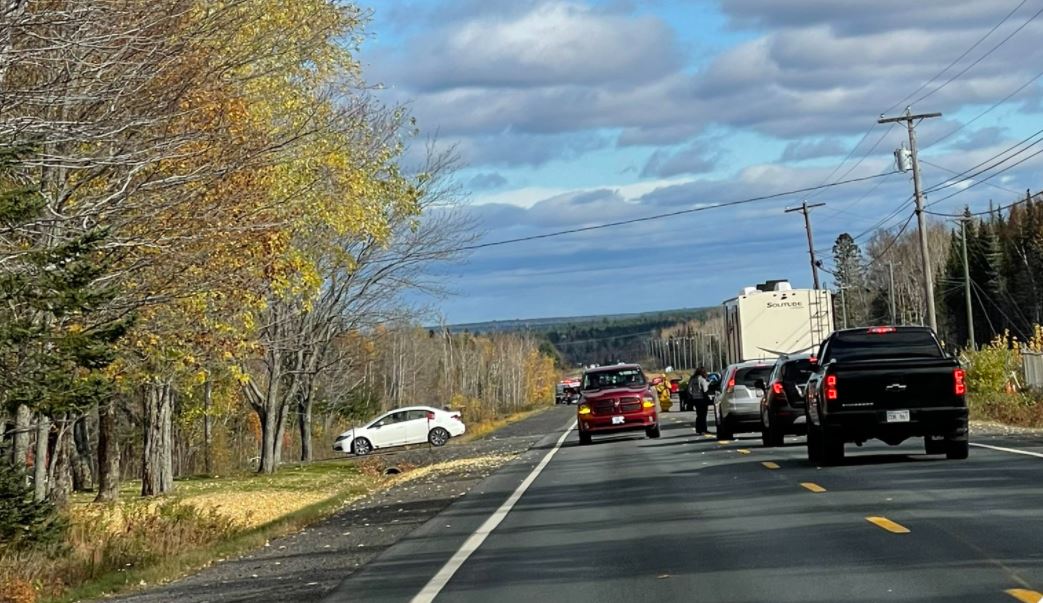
(552, 323)
(603, 339)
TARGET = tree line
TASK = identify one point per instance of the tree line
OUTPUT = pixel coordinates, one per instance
(1004, 252)
(207, 223)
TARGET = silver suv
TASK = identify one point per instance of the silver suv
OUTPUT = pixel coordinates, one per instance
(737, 408)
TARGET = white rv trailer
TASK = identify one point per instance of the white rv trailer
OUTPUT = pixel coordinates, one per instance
(773, 319)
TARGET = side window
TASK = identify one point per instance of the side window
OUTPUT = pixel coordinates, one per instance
(397, 417)
(413, 415)
(823, 353)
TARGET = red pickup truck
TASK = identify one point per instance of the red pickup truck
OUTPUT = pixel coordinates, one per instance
(614, 399)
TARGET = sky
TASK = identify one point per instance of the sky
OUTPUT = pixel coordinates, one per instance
(573, 113)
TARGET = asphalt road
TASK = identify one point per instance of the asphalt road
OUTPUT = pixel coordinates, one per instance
(684, 518)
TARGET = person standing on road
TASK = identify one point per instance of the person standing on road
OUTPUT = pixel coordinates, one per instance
(699, 393)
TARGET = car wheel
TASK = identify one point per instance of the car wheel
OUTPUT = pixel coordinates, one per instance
(814, 444)
(361, 447)
(652, 432)
(934, 445)
(957, 450)
(832, 447)
(438, 436)
(584, 438)
(724, 431)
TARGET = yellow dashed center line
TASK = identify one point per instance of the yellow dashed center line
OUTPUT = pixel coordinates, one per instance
(1025, 595)
(723, 442)
(887, 524)
(742, 451)
(817, 489)
(770, 465)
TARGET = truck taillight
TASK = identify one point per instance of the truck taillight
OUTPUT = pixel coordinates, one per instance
(959, 386)
(831, 387)
(777, 388)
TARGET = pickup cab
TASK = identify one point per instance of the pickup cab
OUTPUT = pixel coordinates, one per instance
(888, 383)
(614, 399)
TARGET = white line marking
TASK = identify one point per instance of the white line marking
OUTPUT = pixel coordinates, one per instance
(435, 585)
(1010, 450)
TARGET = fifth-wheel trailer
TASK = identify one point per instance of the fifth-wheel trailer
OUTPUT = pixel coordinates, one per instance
(773, 319)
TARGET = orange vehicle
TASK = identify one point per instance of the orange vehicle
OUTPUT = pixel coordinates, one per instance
(616, 399)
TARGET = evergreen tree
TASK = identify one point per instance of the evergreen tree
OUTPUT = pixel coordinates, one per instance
(851, 276)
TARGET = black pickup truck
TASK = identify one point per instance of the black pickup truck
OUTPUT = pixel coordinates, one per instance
(889, 383)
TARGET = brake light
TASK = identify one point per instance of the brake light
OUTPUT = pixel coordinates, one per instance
(731, 384)
(430, 416)
(456, 416)
(673, 387)
(959, 386)
(880, 330)
(777, 388)
(831, 387)
(584, 409)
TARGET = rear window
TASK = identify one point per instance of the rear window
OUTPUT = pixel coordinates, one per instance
(749, 375)
(875, 346)
(796, 371)
(629, 377)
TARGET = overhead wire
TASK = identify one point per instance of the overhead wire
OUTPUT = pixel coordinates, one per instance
(660, 216)
(983, 181)
(968, 175)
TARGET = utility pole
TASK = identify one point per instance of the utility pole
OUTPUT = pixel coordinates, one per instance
(804, 207)
(894, 306)
(925, 255)
(967, 283)
(843, 304)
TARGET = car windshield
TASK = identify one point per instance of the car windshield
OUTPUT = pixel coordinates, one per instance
(627, 377)
(866, 345)
(749, 375)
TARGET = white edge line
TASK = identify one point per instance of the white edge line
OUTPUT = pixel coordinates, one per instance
(1010, 450)
(435, 585)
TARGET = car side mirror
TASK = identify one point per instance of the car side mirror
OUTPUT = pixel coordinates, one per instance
(759, 384)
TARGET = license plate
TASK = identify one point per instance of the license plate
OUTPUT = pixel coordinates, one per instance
(621, 420)
(898, 416)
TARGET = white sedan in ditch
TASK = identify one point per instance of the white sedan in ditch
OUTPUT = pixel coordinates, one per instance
(402, 426)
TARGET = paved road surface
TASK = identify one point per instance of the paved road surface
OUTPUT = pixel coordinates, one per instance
(683, 518)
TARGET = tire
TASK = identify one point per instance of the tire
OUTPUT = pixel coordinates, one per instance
(832, 447)
(584, 438)
(957, 450)
(438, 436)
(724, 431)
(771, 437)
(361, 447)
(814, 444)
(652, 432)
(932, 446)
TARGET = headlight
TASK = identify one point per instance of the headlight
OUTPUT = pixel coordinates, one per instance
(342, 437)
(584, 409)
(648, 401)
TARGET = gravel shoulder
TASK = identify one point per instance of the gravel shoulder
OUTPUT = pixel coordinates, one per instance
(309, 564)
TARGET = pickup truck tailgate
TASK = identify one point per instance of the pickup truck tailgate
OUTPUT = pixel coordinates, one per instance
(896, 384)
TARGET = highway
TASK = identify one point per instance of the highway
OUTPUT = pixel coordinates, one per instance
(685, 518)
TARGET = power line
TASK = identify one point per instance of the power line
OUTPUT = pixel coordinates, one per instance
(967, 175)
(987, 111)
(960, 176)
(665, 215)
(983, 212)
(983, 180)
(962, 56)
(984, 56)
(894, 240)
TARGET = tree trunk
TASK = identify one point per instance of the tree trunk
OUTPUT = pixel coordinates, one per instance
(82, 462)
(22, 420)
(157, 460)
(208, 394)
(108, 454)
(62, 483)
(269, 433)
(43, 431)
(304, 422)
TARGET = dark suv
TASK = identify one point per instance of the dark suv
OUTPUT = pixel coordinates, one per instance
(783, 401)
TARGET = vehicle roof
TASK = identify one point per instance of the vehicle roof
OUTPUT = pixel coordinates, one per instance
(613, 367)
(749, 363)
(895, 327)
(795, 357)
(401, 408)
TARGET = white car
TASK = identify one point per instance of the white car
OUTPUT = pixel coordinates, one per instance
(410, 425)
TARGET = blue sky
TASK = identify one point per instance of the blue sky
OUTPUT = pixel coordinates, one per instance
(568, 113)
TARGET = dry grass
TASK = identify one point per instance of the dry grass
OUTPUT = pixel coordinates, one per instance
(481, 429)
